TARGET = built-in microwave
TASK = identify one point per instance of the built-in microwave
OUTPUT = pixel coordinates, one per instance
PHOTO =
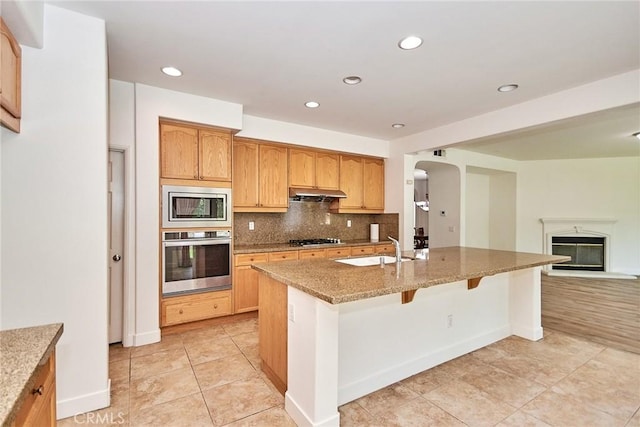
(201, 207)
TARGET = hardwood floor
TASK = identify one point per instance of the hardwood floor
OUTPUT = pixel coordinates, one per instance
(606, 311)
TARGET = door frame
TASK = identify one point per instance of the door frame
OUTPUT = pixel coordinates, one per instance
(128, 256)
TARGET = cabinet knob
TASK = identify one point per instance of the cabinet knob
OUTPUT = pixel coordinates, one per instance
(38, 390)
(181, 311)
(201, 177)
(195, 176)
(215, 305)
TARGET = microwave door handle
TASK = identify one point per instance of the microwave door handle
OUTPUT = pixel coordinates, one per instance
(195, 242)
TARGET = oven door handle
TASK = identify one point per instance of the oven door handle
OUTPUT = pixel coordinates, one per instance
(174, 243)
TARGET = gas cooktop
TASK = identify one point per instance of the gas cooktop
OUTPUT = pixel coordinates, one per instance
(314, 242)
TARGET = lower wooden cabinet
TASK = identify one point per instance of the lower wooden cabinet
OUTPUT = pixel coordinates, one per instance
(386, 249)
(189, 308)
(245, 282)
(312, 253)
(39, 407)
(363, 250)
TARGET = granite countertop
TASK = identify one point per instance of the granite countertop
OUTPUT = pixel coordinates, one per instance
(337, 283)
(275, 247)
(22, 351)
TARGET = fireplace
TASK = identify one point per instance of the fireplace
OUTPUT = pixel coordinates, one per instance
(587, 253)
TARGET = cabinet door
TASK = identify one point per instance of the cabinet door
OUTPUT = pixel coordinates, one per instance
(245, 174)
(373, 195)
(327, 171)
(178, 152)
(215, 155)
(273, 188)
(245, 289)
(351, 173)
(302, 168)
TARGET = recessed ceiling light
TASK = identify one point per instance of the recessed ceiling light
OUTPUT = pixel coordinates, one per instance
(171, 71)
(507, 88)
(397, 125)
(352, 80)
(637, 135)
(410, 42)
(311, 104)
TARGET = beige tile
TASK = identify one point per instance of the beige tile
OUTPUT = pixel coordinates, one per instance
(118, 352)
(563, 410)
(252, 353)
(205, 351)
(279, 397)
(159, 363)
(102, 417)
(387, 399)
(209, 333)
(460, 366)
(429, 380)
(119, 370)
(237, 400)
(274, 417)
(520, 419)
(503, 386)
(620, 359)
(523, 366)
(120, 395)
(188, 411)
(419, 412)
(469, 404)
(245, 340)
(150, 391)
(241, 327)
(167, 343)
(354, 415)
(223, 371)
(635, 420)
(603, 387)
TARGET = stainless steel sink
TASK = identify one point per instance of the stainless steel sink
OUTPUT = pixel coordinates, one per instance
(369, 260)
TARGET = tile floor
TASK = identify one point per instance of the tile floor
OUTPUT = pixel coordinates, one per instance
(211, 377)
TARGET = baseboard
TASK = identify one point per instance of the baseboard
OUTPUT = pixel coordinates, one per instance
(85, 403)
(589, 274)
(302, 420)
(393, 374)
(146, 338)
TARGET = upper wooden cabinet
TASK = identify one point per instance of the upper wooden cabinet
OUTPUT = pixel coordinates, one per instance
(10, 80)
(362, 179)
(194, 153)
(259, 177)
(314, 169)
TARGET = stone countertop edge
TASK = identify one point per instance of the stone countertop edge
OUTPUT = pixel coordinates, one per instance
(338, 283)
(22, 351)
(276, 247)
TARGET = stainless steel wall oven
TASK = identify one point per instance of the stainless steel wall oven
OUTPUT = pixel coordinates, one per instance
(195, 261)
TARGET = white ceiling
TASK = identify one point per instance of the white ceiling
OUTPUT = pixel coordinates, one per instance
(271, 57)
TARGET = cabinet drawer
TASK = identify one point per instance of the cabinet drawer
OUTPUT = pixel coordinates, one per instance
(312, 253)
(362, 250)
(190, 308)
(338, 252)
(283, 256)
(248, 259)
(385, 249)
(39, 397)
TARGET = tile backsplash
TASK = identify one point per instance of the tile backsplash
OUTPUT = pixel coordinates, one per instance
(306, 220)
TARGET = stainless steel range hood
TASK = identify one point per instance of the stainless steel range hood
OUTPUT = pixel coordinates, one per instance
(315, 194)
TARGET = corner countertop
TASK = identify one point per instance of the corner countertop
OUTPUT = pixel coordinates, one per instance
(337, 283)
(22, 351)
(275, 247)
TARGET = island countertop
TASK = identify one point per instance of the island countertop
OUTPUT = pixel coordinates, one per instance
(337, 283)
(22, 352)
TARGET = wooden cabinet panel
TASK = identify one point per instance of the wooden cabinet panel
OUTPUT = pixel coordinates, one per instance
(351, 172)
(10, 79)
(328, 170)
(39, 407)
(259, 177)
(245, 174)
(338, 252)
(215, 155)
(273, 190)
(248, 259)
(385, 249)
(362, 250)
(189, 308)
(178, 152)
(373, 188)
(283, 256)
(272, 330)
(245, 289)
(302, 168)
(312, 253)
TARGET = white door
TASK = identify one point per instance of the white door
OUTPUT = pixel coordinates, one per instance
(116, 244)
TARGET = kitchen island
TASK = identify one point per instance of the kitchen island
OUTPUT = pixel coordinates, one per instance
(333, 332)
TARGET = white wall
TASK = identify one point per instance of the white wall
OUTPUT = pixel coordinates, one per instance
(54, 204)
(588, 188)
(477, 210)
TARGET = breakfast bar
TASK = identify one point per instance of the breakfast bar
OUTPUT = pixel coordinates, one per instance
(332, 331)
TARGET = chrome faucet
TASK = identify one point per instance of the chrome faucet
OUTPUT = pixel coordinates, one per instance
(397, 246)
